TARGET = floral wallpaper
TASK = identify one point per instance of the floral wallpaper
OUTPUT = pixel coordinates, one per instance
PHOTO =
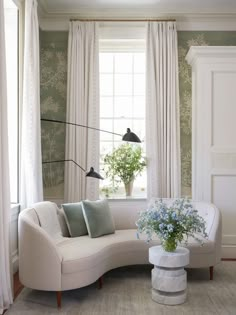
(53, 77)
(53, 65)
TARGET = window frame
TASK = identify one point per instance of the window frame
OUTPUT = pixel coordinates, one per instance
(123, 46)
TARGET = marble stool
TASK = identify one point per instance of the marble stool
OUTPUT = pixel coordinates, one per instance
(169, 279)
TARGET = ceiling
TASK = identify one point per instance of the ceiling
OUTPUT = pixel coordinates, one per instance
(140, 7)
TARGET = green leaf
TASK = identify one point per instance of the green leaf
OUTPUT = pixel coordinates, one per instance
(124, 163)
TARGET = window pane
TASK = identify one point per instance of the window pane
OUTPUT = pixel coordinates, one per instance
(105, 147)
(139, 106)
(106, 124)
(123, 84)
(139, 84)
(120, 126)
(106, 106)
(140, 185)
(139, 128)
(123, 106)
(106, 84)
(106, 63)
(123, 63)
(11, 35)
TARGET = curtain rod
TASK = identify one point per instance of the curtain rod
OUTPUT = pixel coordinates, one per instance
(124, 20)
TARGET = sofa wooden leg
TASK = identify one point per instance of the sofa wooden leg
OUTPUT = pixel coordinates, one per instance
(211, 272)
(100, 282)
(59, 299)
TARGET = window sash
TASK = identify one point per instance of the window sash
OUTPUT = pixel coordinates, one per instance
(111, 141)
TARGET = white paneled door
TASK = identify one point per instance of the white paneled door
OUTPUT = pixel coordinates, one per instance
(214, 134)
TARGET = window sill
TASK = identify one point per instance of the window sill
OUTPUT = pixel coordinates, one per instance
(126, 199)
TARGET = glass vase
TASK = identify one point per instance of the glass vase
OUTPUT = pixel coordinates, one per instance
(169, 245)
(129, 188)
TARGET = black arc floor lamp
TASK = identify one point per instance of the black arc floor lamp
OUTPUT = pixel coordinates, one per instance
(128, 136)
(90, 173)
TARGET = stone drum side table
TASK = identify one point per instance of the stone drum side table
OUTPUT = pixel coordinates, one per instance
(169, 279)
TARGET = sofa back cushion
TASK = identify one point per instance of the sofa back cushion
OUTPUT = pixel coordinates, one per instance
(48, 219)
(75, 219)
(98, 218)
(125, 218)
(62, 221)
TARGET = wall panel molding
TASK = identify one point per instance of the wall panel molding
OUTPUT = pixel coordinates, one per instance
(214, 144)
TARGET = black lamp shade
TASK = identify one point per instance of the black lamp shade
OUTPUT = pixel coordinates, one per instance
(130, 136)
(93, 174)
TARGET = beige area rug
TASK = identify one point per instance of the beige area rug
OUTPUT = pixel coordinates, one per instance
(127, 291)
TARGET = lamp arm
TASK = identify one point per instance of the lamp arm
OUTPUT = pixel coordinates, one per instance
(84, 126)
(65, 161)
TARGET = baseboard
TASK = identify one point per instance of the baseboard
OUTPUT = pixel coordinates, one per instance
(228, 252)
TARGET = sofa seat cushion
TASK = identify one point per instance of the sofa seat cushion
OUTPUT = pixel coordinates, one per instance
(82, 253)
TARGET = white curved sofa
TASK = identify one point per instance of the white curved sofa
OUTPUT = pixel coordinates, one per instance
(50, 260)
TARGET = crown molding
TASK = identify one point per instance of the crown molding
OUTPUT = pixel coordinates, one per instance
(144, 10)
(196, 53)
(53, 20)
(188, 22)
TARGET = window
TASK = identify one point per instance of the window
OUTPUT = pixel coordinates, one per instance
(11, 35)
(122, 105)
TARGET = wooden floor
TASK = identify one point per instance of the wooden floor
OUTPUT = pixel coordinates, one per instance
(17, 285)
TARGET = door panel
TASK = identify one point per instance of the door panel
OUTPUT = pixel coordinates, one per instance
(214, 134)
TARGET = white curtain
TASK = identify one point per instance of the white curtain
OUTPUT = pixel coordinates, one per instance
(31, 188)
(5, 209)
(162, 111)
(82, 145)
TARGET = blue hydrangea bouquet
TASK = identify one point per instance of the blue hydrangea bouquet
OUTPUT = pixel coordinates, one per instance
(172, 223)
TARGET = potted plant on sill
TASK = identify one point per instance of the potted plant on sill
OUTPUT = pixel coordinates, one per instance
(124, 164)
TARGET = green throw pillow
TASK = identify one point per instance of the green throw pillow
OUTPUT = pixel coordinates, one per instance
(75, 219)
(98, 218)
